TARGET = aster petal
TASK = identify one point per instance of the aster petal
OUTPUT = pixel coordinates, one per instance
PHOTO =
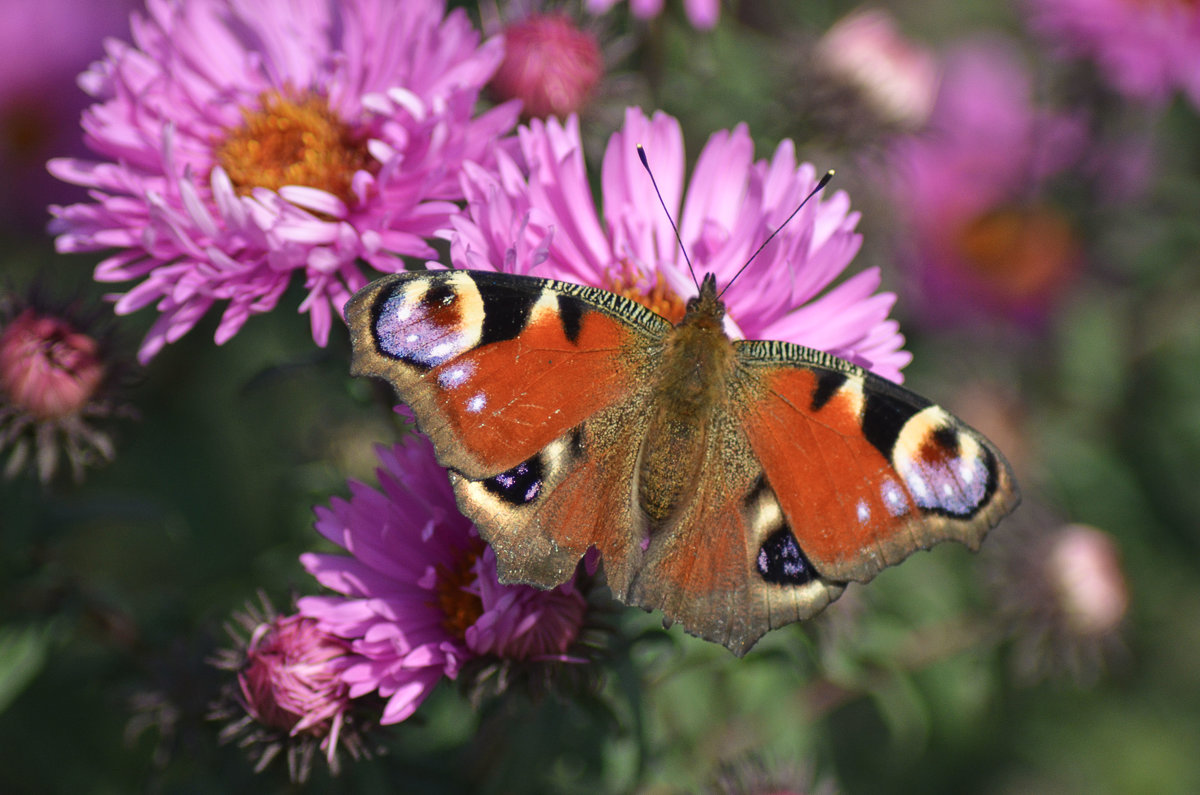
(718, 185)
(540, 211)
(555, 157)
(639, 229)
(408, 697)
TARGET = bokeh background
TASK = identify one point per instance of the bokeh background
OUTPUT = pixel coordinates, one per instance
(1048, 285)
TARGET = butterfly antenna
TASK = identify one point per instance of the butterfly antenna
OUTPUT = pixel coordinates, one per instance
(820, 185)
(646, 164)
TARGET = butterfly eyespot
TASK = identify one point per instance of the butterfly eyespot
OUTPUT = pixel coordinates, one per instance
(439, 293)
(947, 470)
(781, 561)
(519, 485)
(424, 323)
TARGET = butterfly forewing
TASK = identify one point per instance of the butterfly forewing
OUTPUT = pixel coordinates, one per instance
(496, 367)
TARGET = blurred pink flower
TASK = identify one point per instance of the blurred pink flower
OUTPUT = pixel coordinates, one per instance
(48, 367)
(251, 141)
(982, 237)
(1064, 597)
(1084, 567)
(539, 217)
(39, 102)
(703, 14)
(55, 384)
(896, 77)
(1145, 50)
(550, 64)
(421, 590)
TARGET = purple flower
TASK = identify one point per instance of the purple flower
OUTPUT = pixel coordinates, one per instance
(289, 694)
(1145, 50)
(248, 141)
(48, 368)
(421, 590)
(290, 680)
(538, 216)
(983, 239)
(703, 14)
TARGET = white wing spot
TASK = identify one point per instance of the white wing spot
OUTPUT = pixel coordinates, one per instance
(893, 498)
(456, 376)
(476, 403)
(966, 471)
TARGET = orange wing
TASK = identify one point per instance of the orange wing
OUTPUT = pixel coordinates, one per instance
(496, 366)
(866, 472)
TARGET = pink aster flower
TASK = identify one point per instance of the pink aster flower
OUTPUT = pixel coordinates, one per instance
(983, 238)
(245, 143)
(289, 693)
(539, 217)
(48, 367)
(290, 680)
(893, 75)
(1145, 50)
(421, 596)
(703, 14)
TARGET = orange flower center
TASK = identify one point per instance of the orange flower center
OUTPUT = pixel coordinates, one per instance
(657, 297)
(1020, 252)
(460, 608)
(294, 142)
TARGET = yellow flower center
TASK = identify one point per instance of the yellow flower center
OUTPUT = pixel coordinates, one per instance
(658, 297)
(296, 141)
(460, 608)
(1020, 252)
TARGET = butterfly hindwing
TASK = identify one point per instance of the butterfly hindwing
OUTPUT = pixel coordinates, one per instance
(544, 514)
(496, 367)
(742, 576)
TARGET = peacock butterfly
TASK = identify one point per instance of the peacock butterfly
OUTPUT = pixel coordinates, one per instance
(736, 485)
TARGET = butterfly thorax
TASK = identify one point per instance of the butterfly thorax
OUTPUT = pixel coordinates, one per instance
(689, 386)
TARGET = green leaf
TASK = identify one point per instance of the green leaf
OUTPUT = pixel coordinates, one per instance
(23, 653)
